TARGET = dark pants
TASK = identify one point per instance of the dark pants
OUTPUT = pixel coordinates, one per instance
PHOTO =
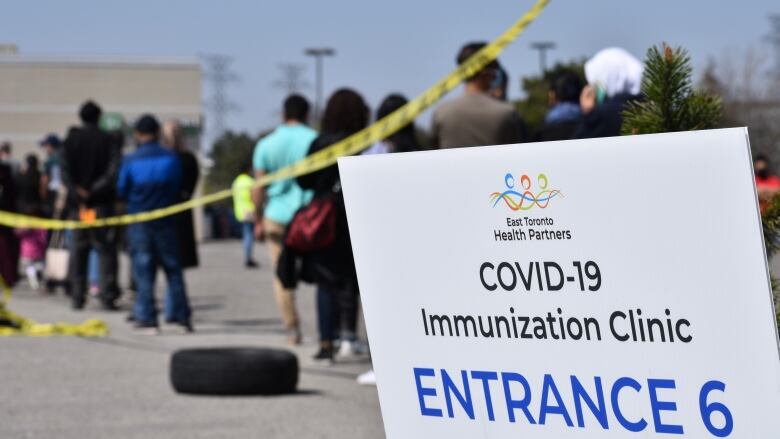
(326, 315)
(337, 312)
(103, 240)
(154, 244)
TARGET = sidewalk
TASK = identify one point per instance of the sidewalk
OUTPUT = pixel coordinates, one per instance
(117, 387)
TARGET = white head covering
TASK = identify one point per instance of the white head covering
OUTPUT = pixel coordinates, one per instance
(615, 70)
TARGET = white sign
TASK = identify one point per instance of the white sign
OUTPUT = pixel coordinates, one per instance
(598, 288)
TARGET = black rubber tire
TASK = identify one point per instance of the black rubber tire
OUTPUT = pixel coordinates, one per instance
(234, 371)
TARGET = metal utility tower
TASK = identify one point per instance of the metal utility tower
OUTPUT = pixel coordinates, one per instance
(219, 75)
(292, 80)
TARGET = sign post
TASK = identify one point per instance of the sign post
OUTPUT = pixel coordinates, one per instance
(599, 288)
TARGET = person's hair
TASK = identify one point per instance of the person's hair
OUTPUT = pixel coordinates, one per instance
(173, 135)
(296, 107)
(470, 49)
(567, 87)
(403, 140)
(32, 161)
(148, 124)
(346, 112)
(761, 158)
(90, 113)
(30, 179)
(5, 147)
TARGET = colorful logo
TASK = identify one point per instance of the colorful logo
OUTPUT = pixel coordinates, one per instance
(527, 199)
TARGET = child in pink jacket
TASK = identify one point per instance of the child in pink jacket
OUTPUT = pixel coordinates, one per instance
(32, 249)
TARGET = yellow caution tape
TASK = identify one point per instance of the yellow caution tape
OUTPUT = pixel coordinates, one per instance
(353, 144)
(14, 324)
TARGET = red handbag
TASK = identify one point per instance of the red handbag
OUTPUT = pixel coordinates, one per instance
(313, 227)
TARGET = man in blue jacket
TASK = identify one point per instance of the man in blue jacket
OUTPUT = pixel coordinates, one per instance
(150, 179)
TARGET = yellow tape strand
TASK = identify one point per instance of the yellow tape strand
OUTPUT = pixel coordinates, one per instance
(353, 144)
(14, 324)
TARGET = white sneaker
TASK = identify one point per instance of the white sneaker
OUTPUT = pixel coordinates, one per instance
(352, 349)
(32, 277)
(367, 379)
(347, 349)
(146, 328)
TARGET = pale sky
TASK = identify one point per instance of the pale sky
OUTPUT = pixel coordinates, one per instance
(382, 46)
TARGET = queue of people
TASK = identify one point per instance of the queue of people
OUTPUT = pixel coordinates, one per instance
(301, 220)
(85, 177)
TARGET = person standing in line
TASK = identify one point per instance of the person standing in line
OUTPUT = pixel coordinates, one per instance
(89, 163)
(150, 178)
(476, 118)
(403, 140)
(9, 244)
(6, 156)
(767, 182)
(32, 242)
(173, 138)
(32, 251)
(277, 203)
(55, 198)
(614, 79)
(244, 210)
(28, 186)
(564, 114)
(332, 268)
(51, 185)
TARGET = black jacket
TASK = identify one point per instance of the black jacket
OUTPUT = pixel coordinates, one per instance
(9, 245)
(90, 159)
(188, 247)
(557, 131)
(334, 267)
(605, 120)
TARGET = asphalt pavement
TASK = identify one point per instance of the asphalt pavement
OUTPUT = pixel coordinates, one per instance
(118, 387)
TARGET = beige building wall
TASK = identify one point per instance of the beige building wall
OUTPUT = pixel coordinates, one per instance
(39, 95)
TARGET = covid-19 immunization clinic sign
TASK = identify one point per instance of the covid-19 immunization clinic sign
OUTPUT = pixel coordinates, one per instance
(597, 288)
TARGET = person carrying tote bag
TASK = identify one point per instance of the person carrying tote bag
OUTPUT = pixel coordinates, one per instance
(57, 259)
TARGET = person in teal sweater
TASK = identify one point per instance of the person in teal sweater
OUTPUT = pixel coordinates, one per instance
(276, 204)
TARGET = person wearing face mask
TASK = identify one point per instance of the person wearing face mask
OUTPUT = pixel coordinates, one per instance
(614, 78)
(767, 183)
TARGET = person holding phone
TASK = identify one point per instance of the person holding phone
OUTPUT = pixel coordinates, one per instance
(614, 78)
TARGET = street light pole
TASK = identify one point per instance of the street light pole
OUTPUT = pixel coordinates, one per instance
(318, 53)
(543, 47)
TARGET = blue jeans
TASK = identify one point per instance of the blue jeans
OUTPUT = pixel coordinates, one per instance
(93, 266)
(151, 244)
(326, 314)
(336, 314)
(248, 240)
